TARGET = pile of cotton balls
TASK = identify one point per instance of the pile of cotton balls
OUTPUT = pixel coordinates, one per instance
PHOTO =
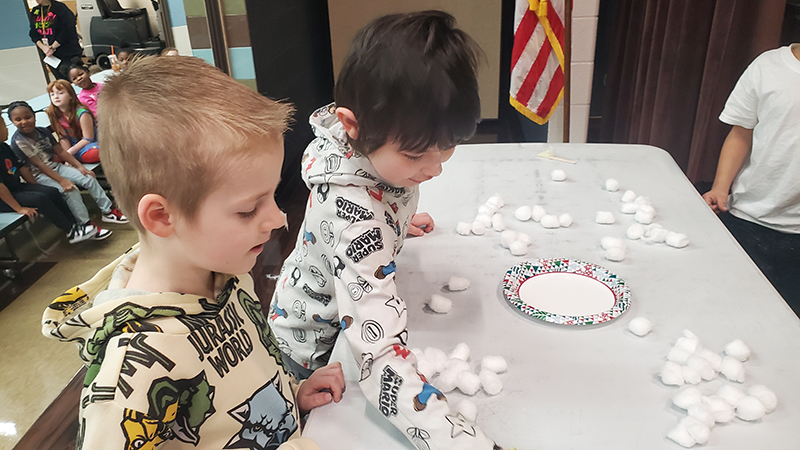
(489, 216)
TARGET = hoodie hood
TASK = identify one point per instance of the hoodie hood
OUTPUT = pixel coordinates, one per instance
(329, 159)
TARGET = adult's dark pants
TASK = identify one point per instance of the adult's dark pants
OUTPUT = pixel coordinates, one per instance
(776, 254)
(47, 201)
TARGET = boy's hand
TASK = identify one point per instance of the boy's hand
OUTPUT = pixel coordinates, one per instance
(420, 224)
(67, 185)
(30, 212)
(84, 171)
(718, 201)
(324, 385)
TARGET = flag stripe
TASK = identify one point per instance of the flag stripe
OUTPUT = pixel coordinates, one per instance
(523, 35)
(531, 81)
(553, 91)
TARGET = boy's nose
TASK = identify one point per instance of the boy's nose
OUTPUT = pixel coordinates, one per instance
(275, 219)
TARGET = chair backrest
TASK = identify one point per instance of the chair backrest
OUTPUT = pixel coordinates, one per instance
(111, 9)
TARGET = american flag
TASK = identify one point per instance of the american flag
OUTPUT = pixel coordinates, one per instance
(537, 58)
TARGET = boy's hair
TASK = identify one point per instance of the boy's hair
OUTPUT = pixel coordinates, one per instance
(176, 127)
(18, 104)
(55, 114)
(411, 78)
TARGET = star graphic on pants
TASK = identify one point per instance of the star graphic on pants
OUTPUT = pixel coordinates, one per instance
(460, 425)
(398, 305)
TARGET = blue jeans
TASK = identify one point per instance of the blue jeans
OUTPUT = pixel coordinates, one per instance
(73, 197)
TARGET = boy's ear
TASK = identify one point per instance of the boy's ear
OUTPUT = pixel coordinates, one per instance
(154, 215)
(348, 120)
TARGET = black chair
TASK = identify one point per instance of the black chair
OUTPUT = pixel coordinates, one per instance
(111, 9)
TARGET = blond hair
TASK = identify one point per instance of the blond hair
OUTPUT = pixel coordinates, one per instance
(176, 127)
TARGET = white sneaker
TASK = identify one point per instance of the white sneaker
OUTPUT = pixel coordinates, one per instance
(80, 233)
(102, 233)
(115, 216)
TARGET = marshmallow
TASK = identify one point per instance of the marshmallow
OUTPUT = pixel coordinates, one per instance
(732, 368)
(460, 352)
(643, 217)
(440, 304)
(491, 383)
(457, 284)
(495, 201)
(507, 237)
(629, 208)
(463, 228)
(612, 185)
(671, 374)
(605, 218)
(518, 248)
(635, 231)
(496, 364)
(478, 228)
(765, 395)
(731, 394)
(738, 350)
(628, 197)
(687, 397)
(498, 223)
(640, 326)
(750, 408)
(558, 175)
(608, 242)
(565, 220)
(690, 375)
(677, 240)
(615, 254)
(721, 409)
(485, 219)
(550, 221)
(468, 409)
(468, 383)
(537, 212)
(523, 213)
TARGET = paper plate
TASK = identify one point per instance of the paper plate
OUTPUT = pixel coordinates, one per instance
(566, 291)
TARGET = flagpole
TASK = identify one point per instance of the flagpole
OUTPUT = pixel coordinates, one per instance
(567, 64)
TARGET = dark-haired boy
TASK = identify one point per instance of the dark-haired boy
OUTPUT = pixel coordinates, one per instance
(405, 97)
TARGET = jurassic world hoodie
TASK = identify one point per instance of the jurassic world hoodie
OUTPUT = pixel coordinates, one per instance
(172, 370)
(340, 277)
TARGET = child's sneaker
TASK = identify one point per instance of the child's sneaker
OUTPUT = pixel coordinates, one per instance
(80, 233)
(102, 233)
(115, 216)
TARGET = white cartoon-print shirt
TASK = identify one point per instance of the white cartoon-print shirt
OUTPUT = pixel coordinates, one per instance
(340, 277)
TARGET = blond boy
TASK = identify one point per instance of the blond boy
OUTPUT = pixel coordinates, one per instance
(179, 354)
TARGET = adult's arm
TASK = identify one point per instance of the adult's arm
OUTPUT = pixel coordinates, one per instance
(734, 151)
(64, 19)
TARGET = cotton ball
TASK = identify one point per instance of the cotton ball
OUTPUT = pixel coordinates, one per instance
(612, 185)
(440, 304)
(496, 364)
(687, 397)
(681, 436)
(628, 197)
(640, 326)
(702, 366)
(463, 228)
(456, 365)
(750, 408)
(478, 228)
(468, 383)
(605, 218)
(688, 341)
(490, 382)
(765, 395)
(671, 374)
(558, 175)
(437, 357)
(498, 223)
(523, 213)
(690, 375)
(697, 429)
(550, 221)
(565, 220)
(677, 240)
(641, 200)
(731, 394)
(732, 368)
(457, 284)
(447, 381)
(495, 201)
(629, 208)
(486, 210)
(524, 238)
(608, 242)
(518, 248)
(646, 207)
(507, 237)
(655, 235)
(537, 212)
(635, 231)
(615, 254)
(468, 409)
(738, 350)
(418, 352)
(721, 409)
(702, 413)
(426, 368)
(715, 359)
(643, 217)
(485, 219)
(678, 355)
(460, 352)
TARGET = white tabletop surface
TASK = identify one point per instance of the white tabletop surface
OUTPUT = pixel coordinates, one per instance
(593, 387)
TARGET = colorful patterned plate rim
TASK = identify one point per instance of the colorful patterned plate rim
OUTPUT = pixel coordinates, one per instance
(521, 272)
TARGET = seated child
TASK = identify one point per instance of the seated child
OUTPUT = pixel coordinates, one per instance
(406, 95)
(38, 148)
(72, 122)
(31, 198)
(170, 51)
(124, 56)
(179, 352)
(80, 76)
